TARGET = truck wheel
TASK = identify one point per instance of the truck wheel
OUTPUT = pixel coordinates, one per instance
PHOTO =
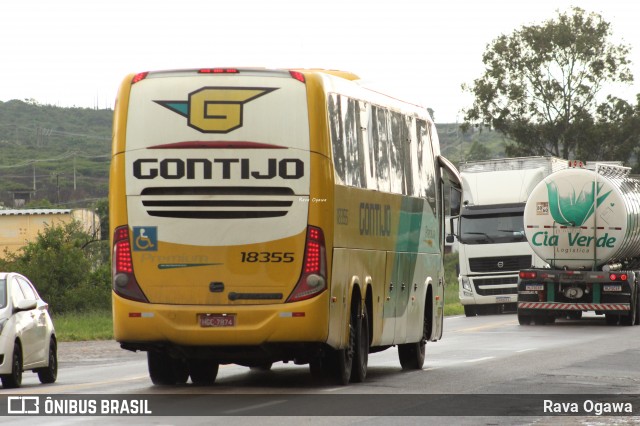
(469, 311)
(540, 319)
(524, 319)
(574, 315)
(611, 319)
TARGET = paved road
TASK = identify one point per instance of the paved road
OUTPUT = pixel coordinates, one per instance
(478, 356)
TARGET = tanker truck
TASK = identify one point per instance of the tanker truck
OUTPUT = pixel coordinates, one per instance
(585, 224)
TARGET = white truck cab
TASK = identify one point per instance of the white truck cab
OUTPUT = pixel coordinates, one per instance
(492, 243)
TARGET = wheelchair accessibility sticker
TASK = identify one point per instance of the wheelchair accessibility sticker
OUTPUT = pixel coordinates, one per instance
(145, 238)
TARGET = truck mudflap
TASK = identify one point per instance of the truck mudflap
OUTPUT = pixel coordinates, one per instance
(604, 307)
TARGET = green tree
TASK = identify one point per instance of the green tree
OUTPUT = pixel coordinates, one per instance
(614, 134)
(541, 83)
(59, 264)
(477, 152)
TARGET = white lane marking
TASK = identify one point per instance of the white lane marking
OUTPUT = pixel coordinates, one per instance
(480, 359)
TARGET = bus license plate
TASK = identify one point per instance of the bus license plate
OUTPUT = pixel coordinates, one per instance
(612, 288)
(217, 320)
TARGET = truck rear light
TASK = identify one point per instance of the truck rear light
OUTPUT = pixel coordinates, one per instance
(313, 278)
(528, 275)
(123, 280)
(618, 277)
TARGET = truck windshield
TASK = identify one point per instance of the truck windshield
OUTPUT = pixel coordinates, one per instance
(492, 228)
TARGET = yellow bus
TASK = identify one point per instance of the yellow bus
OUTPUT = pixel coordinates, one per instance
(266, 215)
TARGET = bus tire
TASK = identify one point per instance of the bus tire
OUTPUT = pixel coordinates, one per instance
(412, 355)
(344, 357)
(361, 352)
(164, 370)
(203, 372)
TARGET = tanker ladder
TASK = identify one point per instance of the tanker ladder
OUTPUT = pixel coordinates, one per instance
(547, 294)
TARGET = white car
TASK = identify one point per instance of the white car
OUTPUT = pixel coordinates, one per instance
(27, 336)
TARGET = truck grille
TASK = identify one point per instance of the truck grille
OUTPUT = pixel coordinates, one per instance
(499, 264)
(217, 202)
(477, 282)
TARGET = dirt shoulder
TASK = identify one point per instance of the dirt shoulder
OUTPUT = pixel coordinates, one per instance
(94, 350)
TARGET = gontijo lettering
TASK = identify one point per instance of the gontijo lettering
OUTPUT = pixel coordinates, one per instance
(375, 219)
(218, 168)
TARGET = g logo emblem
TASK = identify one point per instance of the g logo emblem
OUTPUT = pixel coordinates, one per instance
(216, 109)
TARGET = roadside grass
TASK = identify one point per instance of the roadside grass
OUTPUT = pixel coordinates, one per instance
(452, 305)
(98, 325)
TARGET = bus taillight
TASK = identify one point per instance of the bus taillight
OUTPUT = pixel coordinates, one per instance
(313, 278)
(297, 75)
(124, 281)
(139, 77)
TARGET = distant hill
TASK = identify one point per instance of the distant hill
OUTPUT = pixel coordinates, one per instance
(64, 153)
(53, 155)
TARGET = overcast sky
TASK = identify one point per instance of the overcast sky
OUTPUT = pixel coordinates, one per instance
(76, 52)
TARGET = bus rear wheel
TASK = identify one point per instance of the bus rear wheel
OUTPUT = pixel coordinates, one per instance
(203, 372)
(164, 370)
(353, 355)
(361, 350)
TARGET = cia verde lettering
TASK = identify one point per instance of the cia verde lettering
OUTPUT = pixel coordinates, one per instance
(544, 239)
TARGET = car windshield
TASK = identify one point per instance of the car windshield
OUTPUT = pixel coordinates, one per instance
(3, 293)
(491, 229)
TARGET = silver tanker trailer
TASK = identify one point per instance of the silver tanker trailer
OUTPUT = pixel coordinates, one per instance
(586, 225)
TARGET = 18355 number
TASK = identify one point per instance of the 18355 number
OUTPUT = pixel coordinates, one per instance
(266, 256)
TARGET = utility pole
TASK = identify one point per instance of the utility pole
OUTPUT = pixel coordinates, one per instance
(34, 179)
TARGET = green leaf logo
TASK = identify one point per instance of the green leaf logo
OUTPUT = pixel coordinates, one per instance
(571, 209)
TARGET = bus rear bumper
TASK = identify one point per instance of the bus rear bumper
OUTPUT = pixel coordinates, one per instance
(140, 324)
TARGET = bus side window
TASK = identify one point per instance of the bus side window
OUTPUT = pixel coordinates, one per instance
(337, 136)
(380, 145)
(396, 154)
(426, 168)
(351, 118)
